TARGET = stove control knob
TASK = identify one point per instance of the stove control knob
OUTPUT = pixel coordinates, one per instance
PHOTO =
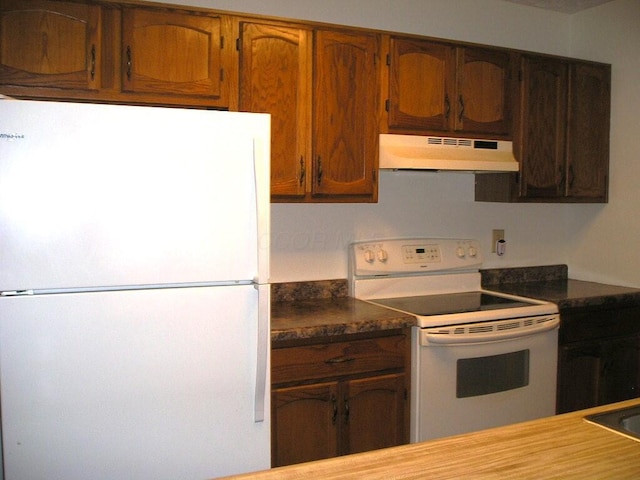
(382, 255)
(460, 252)
(473, 252)
(369, 256)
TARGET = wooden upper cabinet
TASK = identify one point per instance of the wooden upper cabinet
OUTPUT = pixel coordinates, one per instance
(172, 53)
(345, 104)
(441, 88)
(50, 44)
(588, 131)
(420, 84)
(275, 78)
(562, 135)
(484, 91)
(543, 127)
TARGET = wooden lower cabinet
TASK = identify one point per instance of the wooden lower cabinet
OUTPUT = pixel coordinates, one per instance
(304, 422)
(599, 357)
(339, 398)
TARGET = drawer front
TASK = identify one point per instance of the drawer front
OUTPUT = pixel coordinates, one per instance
(336, 359)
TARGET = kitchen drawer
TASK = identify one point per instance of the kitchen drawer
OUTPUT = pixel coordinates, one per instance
(312, 362)
(590, 323)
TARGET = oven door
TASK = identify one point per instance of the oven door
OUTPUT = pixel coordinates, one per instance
(475, 376)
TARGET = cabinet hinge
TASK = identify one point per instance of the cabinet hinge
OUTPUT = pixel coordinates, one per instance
(238, 44)
(386, 104)
(221, 43)
(388, 59)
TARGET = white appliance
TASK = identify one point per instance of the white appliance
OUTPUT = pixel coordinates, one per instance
(134, 325)
(480, 359)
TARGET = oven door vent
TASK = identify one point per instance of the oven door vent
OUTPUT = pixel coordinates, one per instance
(490, 331)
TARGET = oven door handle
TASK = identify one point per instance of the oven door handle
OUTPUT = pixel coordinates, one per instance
(450, 338)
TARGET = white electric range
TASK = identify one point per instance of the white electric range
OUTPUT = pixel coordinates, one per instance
(479, 358)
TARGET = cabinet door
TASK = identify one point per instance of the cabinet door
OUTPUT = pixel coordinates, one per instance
(50, 44)
(483, 97)
(374, 413)
(588, 131)
(620, 370)
(168, 52)
(579, 369)
(304, 423)
(543, 127)
(598, 372)
(345, 113)
(420, 82)
(275, 78)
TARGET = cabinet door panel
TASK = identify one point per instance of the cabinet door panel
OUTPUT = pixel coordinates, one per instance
(275, 78)
(345, 106)
(50, 44)
(169, 52)
(543, 128)
(304, 423)
(620, 370)
(578, 377)
(419, 85)
(483, 91)
(374, 412)
(588, 135)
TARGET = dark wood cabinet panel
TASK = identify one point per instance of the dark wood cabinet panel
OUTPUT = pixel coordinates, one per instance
(345, 136)
(169, 52)
(599, 357)
(339, 397)
(484, 91)
(304, 423)
(275, 78)
(562, 135)
(104, 51)
(443, 88)
(320, 88)
(543, 123)
(420, 82)
(588, 131)
(50, 44)
(375, 413)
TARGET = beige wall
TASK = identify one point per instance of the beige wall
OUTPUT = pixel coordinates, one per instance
(310, 241)
(604, 246)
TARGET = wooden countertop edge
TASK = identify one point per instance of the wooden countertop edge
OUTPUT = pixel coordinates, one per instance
(563, 446)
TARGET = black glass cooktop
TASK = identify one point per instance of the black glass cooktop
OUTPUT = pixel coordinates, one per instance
(442, 304)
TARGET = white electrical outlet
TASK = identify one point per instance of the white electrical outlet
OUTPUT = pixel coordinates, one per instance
(496, 236)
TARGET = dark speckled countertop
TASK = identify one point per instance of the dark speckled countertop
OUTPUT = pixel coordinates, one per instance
(550, 283)
(303, 310)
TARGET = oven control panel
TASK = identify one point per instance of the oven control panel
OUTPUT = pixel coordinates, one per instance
(414, 255)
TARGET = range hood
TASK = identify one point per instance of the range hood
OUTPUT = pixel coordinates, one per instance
(412, 152)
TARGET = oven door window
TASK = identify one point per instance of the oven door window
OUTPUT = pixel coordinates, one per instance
(492, 374)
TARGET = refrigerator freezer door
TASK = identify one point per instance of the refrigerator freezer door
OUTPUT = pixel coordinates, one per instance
(104, 195)
(147, 384)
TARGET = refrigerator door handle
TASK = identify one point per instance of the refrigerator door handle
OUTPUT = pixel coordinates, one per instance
(262, 364)
(261, 165)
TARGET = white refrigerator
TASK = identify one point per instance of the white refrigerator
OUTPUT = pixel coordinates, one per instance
(134, 304)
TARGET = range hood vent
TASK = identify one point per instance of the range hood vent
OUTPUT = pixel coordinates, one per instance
(412, 152)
